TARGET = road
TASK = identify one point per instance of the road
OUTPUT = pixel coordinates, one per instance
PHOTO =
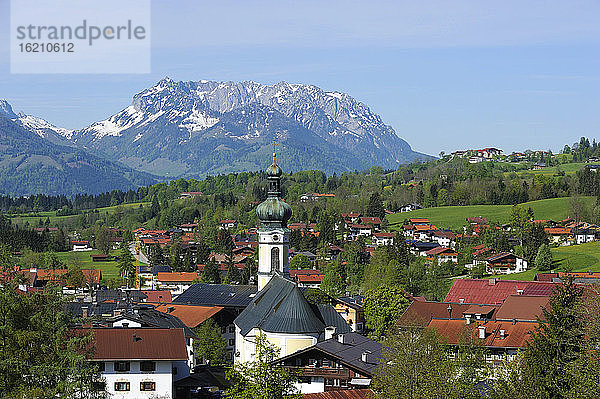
(141, 257)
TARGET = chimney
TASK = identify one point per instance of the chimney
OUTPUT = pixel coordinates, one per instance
(481, 332)
(329, 332)
(341, 339)
(492, 281)
(502, 334)
(364, 357)
(84, 312)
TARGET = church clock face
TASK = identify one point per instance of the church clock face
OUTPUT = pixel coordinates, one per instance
(275, 237)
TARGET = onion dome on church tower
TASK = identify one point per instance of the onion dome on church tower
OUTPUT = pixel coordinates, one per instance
(274, 212)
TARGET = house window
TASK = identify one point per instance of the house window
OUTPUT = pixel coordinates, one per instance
(305, 380)
(223, 330)
(328, 382)
(148, 366)
(100, 366)
(121, 386)
(231, 329)
(147, 386)
(344, 383)
(122, 366)
(275, 259)
(231, 342)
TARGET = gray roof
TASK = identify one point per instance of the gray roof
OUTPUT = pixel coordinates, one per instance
(350, 352)
(232, 296)
(281, 307)
(153, 318)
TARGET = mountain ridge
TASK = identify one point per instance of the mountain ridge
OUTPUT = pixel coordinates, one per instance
(235, 121)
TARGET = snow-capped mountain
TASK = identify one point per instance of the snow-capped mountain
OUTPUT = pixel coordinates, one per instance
(205, 127)
(35, 160)
(39, 126)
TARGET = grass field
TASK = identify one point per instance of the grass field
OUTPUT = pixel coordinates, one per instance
(568, 168)
(453, 217)
(33, 218)
(83, 260)
(579, 258)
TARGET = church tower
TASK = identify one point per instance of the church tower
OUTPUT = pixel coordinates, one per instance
(273, 234)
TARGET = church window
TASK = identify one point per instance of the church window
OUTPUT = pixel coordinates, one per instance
(275, 259)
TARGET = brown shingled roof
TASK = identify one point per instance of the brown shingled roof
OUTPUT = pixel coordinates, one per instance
(191, 315)
(341, 394)
(523, 307)
(139, 344)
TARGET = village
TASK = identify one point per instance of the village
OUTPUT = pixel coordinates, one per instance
(145, 331)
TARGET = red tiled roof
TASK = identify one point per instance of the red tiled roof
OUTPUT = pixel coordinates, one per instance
(163, 296)
(341, 394)
(310, 278)
(424, 227)
(515, 335)
(305, 272)
(368, 219)
(494, 291)
(139, 344)
(523, 307)
(192, 316)
(176, 277)
(442, 251)
(419, 313)
(422, 220)
(556, 231)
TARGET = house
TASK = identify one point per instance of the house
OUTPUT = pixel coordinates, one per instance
(505, 263)
(502, 339)
(418, 221)
(420, 248)
(538, 165)
(476, 159)
(228, 224)
(493, 291)
(145, 316)
(477, 220)
(140, 363)
(410, 207)
(443, 254)
(584, 235)
(176, 282)
(188, 227)
(383, 238)
(353, 217)
(341, 394)
(419, 313)
(445, 238)
(351, 309)
(307, 278)
(315, 197)
(489, 153)
(81, 246)
(341, 361)
(375, 222)
(357, 230)
(189, 194)
(558, 235)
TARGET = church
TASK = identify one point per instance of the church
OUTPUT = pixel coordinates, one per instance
(279, 310)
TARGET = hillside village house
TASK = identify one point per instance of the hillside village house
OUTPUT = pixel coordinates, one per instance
(351, 309)
(443, 254)
(383, 238)
(140, 363)
(505, 263)
(228, 224)
(176, 282)
(341, 361)
(81, 246)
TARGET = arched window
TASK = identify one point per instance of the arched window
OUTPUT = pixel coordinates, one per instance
(275, 259)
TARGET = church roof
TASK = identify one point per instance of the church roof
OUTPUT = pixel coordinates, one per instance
(281, 307)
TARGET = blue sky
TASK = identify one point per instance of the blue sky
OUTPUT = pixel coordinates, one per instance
(446, 75)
